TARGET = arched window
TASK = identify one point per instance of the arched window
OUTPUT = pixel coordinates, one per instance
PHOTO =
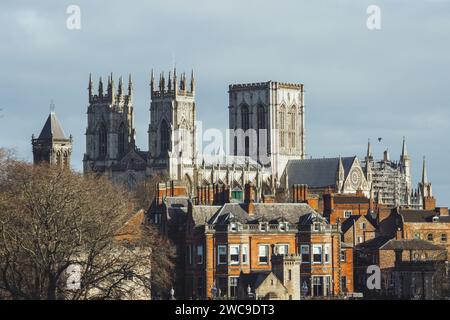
(261, 117)
(165, 136)
(282, 118)
(102, 141)
(58, 158)
(245, 118)
(282, 115)
(292, 121)
(122, 139)
(66, 160)
(235, 146)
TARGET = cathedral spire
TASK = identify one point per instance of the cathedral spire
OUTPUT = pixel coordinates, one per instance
(120, 89)
(152, 82)
(111, 88)
(90, 87)
(404, 150)
(130, 86)
(100, 87)
(192, 81)
(169, 82)
(369, 156)
(424, 173)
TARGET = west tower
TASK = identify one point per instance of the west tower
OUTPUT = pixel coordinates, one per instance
(110, 133)
(172, 132)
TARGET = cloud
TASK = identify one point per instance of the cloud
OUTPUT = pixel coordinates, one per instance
(360, 84)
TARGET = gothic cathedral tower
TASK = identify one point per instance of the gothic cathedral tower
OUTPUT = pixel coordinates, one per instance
(52, 146)
(172, 132)
(110, 132)
(275, 114)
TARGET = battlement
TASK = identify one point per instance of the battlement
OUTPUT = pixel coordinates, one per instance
(111, 95)
(265, 85)
(173, 86)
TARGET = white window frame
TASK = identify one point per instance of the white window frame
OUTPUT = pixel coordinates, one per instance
(263, 226)
(320, 247)
(283, 227)
(285, 245)
(343, 254)
(234, 227)
(267, 253)
(308, 252)
(231, 249)
(220, 253)
(244, 252)
(327, 253)
(348, 213)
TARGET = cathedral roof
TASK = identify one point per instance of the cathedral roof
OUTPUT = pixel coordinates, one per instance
(317, 173)
(52, 129)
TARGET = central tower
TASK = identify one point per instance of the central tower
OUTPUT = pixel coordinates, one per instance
(171, 133)
(267, 121)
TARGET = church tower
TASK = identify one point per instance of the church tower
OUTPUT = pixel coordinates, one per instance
(110, 132)
(405, 166)
(426, 191)
(267, 123)
(52, 145)
(172, 132)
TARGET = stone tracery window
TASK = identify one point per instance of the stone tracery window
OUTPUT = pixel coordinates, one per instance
(102, 137)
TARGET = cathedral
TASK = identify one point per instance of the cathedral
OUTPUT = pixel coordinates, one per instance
(266, 122)
(266, 137)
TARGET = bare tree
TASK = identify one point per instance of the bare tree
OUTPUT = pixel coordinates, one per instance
(145, 190)
(68, 236)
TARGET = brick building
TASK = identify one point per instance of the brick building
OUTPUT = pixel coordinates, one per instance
(219, 244)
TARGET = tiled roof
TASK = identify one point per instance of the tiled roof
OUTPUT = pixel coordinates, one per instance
(413, 244)
(422, 216)
(316, 173)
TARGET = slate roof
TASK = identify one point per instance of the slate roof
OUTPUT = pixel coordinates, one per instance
(413, 244)
(52, 129)
(348, 223)
(269, 212)
(316, 173)
(202, 214)
(374, 243)
(350, 199)
(418, 216)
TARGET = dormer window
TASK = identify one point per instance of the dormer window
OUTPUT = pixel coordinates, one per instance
(316, 226)
(263, 226)
(283, 226)
(233, 227)
(435, 219)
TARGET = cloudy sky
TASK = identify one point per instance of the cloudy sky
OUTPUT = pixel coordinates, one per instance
(360, 83)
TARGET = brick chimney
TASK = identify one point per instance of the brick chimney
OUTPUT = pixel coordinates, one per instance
(249, 198)
(399, 234)
(429, 203)
(442, 211)
(299, 193)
